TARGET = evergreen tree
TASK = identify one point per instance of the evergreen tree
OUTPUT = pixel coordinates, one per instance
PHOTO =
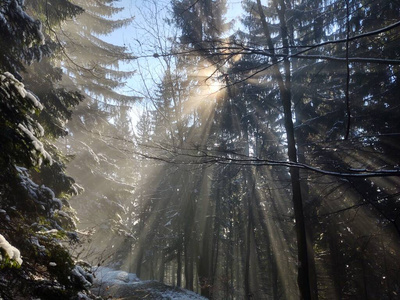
(35, 215)
(300, 77)
(100, 140)
(92, 64)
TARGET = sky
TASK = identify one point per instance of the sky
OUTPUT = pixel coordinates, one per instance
(144, 37)
(138, 37)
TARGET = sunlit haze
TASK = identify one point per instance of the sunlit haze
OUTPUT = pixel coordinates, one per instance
(198, 149)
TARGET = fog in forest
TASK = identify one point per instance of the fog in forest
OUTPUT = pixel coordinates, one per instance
(199, 149)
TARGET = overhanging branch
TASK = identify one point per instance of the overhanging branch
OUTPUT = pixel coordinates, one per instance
(196, 157)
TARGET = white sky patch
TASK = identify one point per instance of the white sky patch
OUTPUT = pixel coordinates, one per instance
(233, 14)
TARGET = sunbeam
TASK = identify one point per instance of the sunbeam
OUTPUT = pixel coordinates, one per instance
(255, 154)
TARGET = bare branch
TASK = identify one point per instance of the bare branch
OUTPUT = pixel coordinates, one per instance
(198, 156)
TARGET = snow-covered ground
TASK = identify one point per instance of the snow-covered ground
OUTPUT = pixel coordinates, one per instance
(127, 286)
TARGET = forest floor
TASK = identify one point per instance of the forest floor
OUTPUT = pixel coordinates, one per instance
(121, 285)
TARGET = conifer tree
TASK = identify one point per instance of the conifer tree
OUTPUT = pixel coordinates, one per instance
(35, 214)
(100, 140)
(299, 77)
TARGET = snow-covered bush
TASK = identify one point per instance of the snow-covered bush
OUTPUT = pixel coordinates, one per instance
(9, 252)
(82, 277)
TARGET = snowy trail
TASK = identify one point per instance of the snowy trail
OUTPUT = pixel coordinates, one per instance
(127, 286)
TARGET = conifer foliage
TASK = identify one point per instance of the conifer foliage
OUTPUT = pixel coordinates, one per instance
(265, 166)
(35, 219)
(100, 139)
(284, 184)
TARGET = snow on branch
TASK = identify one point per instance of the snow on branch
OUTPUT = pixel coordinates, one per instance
(12, 252)
(19, 107)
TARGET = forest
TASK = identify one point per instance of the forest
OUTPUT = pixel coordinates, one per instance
(219, 149)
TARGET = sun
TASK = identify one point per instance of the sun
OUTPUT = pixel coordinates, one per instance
(207, 91)
(210, 82)
(213, 86)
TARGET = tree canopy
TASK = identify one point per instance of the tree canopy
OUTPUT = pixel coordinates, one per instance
(263, 164)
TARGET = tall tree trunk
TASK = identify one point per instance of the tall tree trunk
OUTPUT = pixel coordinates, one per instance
(239, 247)
(208, 225)
(139, 259)
(301, 140)
(204, 269)
(230, 254)
(273, 273)
(142, 237)
(162, 267)
(247, 288)
(249, 234)
(249, 182)
(179, 266)
(242, 249)
(188, 266)
(172, 276)
(285, 96)
(302, 248)
(336, 262)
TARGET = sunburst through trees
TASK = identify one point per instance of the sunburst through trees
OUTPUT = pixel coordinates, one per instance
(264, 164)
(272, 183)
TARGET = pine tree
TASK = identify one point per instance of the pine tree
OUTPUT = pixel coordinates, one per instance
(92, 63)
(34, 217)
(307, 75)
(100, 141)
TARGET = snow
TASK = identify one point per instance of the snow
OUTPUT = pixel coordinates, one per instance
(34, 100)
(38, 145)
(29, 128)
(19, 86)
(92, 153)
(58, 203)
(63, 213)
(109, 276)
(12, 252)
(82, 296)
(44, 198)
(35, 241)
(119, 284)
(78, 189)
(82, 276)
(4, 214)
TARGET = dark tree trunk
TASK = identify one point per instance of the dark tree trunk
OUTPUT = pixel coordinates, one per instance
(161, 268)
(206, 257)
(139, 259)
(249, 234)
(301, 141)
(188, 266)
(179, 267)
(204, 269)
(284, 84)
(247, 289)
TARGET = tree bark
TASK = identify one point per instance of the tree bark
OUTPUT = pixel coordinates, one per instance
(179, 267)
(188, 266)
(285, 96)
(139, 259)
(162, 267)
(204, 269)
